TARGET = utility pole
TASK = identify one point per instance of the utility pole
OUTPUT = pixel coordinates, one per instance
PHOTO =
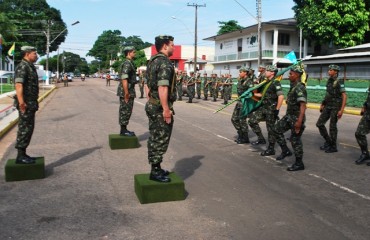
(259, 17)
(195, 33)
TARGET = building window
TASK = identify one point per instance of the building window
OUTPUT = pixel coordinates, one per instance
(283, 39)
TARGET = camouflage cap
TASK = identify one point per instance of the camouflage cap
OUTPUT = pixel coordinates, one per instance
(129, 48)
(297, 69)
(334, 67)
(164, 37)
(271, 68)
(191, 72)
(244, 69)
(28, 49)
(262, 66)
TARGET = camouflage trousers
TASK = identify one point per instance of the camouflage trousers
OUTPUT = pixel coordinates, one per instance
(227, 93)
(205, 91)
(125, 111)
(210, 89)
(179, 91)
(107, 82)
(160, 133)
(26, 126)
(198, 90)
(215, 93)
(286, 124)
(141, 88)
(191, 91)
(240, 124)
(363, 128)
(260, 115)
(332, 114)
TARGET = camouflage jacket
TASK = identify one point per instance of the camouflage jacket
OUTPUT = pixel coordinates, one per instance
(160, 72)
(297, 94)
(334, 89)
(243, 85)
(128, 71)
(26, 74)
(270, 96)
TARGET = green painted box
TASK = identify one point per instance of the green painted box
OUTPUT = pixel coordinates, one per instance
(20, 172)
(117, 141)
(149, 191)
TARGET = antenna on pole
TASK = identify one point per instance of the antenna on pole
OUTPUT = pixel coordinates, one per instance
(195, 33)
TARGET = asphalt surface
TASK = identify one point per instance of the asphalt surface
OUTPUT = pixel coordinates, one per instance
(232, 191)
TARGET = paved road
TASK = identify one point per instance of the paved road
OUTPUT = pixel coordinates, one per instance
(233, 193)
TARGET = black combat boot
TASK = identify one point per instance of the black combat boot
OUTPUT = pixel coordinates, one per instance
(269, 151)
(22, 157)
(158, 174)
(327, 143)
(242, 138)
(364, 156)
(239, 137)
(205, 98)
(125, 132)
(298, 165)
(261, 139)
(285, 152)
(332, 149)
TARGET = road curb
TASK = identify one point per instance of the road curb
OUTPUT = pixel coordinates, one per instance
(11, 124)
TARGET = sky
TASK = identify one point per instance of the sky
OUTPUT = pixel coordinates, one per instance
(150, 18)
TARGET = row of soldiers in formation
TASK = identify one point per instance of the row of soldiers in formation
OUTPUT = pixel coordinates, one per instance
(332, 108)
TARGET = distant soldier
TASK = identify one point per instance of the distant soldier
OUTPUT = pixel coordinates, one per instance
(27, 93)
(198, 83)
(221, 86)
(126, 90)
(142, 83)
(227, 85)
(363, 128)
(205, 86)
(215, 86)
(269, 111)
(293, 120)
(238, 122)
(332, 108)
(261, 75)
(65, 80)
(190, 84)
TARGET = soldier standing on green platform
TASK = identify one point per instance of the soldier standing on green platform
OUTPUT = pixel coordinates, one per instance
(159, 108)
(239, 123)
(198, 83)
(272, 99)
(363, 128)
(126, 90)
(190, 84)
(27, 93)
(293, 120)
(332, 108)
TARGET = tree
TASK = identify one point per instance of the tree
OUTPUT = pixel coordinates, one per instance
(31, 19)
(229, 26)
(344, 23)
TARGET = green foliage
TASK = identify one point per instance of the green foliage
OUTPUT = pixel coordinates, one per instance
(343, 23)
(28, 21)
(228, 26)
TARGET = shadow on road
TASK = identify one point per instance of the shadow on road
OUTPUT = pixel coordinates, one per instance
(65, 117)
(70, 158)
(143, 137)
(187, 166)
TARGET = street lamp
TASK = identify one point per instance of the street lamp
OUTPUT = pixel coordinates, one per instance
(48, 43)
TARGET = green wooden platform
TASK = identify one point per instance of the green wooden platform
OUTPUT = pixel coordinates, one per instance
(149, 191)
(20, 172)
(117, 141)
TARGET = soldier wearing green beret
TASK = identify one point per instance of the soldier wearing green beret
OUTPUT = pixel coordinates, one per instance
(272, 98)
(332, 108)
(126, 90)
(293, 120)
(239, 123)
(159, 108)
(27, 93)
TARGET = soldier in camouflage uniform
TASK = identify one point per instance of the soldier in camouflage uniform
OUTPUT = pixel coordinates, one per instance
(206, 82)
(126, 90)
(159, 108)
(190, 83)
(262, 74)
(332, 108)
(293, 120)
(240, 124)
(272, 99)
(221, 88)
(179, 92)
(142, 83)
(363, 129)
(27, 93)
(227, 87)
(198, 83)
(214, 87)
